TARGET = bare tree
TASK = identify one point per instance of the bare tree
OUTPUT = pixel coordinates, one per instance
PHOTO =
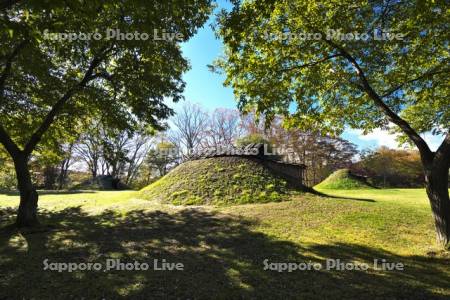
(224, 127)
(89, 148)
(189, 125)
(321, 154)
(115, 151)
(139, 147)
(68, 160)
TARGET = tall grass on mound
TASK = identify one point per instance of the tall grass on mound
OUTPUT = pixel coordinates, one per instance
(218, 181)
(343, 180)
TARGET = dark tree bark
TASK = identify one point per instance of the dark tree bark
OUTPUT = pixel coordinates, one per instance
(94, 173)
(437, 190)
(436, 168)
(27, 213)
(63, 171)
(50, 177)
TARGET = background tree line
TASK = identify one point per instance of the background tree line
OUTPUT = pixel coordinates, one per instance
(138, 157)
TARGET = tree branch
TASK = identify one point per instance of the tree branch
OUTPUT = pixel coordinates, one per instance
(8, 65)
(429, 73)
(391, 115)
(383, 15)
(5, 138)
(311, 64)
(51, 115)
(105, 75)
(443, 152)
(8, 143)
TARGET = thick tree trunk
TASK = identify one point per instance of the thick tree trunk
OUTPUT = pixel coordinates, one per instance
(436, 179)
(27, 214)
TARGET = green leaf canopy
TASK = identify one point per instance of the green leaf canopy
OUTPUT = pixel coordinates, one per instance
(285, 57)
(48, 75)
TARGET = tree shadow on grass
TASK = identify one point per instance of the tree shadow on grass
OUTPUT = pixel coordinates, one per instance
(315, 192)
(222, 256)
(51, 192)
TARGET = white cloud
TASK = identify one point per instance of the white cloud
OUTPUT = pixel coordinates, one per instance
(385, 138)
(381, 137)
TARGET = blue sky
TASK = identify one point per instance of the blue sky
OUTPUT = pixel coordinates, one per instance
(206, 88)
(203, 86)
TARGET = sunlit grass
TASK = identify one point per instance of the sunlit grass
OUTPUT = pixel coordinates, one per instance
(223, 246)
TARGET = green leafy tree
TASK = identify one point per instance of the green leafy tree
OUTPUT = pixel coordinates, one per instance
(329, 81)
(46, 81)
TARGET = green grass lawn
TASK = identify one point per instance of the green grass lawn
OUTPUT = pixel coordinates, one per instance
(223, 248)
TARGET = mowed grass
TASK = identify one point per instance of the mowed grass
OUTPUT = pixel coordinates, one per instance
(223, 248)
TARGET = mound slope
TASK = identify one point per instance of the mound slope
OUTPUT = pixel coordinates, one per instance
(345, 180)
(219, 180)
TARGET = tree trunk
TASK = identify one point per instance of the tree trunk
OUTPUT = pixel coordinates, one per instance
(436, 180)
(50, 176)
(62, 177)
(27, 214)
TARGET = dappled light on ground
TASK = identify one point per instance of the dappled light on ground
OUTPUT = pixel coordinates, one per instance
(221, 254)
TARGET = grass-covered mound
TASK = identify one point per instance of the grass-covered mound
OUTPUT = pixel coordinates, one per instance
(343, 179)
(220, 180)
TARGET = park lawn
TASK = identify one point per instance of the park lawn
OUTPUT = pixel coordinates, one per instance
(223, 248)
